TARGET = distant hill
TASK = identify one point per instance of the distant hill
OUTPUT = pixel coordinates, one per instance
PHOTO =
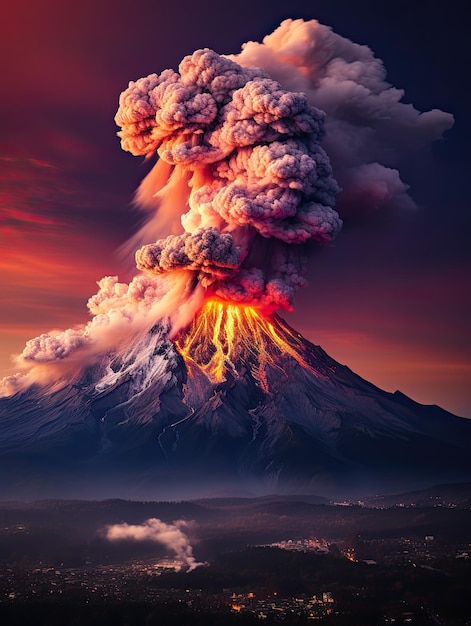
(458, 495)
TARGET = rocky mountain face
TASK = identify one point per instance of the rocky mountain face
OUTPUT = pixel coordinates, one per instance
(150, 424)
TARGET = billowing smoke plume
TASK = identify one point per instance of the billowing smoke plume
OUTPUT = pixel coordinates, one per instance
(368, 129)
(247, 147)
(172, 536)
(121, 315)
(256, 175)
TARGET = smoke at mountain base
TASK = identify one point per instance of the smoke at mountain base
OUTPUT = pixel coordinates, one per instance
(172, 536)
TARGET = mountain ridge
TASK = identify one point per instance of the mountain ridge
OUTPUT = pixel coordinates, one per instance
(148, 423)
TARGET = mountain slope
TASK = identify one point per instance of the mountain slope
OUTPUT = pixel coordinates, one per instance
(148, 424)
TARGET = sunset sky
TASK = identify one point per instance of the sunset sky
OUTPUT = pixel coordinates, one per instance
(390, 298)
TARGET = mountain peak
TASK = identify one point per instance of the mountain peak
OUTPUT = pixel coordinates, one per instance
(238, 401)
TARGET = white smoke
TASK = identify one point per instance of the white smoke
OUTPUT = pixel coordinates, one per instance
(122, 314)
(172, 536)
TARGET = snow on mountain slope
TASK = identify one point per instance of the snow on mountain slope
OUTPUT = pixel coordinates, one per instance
(149, 424)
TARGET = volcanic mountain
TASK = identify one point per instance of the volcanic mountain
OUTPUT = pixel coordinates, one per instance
(238, 403)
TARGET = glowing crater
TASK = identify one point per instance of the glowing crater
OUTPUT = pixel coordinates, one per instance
(223, 334)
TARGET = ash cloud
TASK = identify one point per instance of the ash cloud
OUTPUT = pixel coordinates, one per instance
(260, 136)
(253, 151)
(368, 129)
(172, 536)
(256, 172)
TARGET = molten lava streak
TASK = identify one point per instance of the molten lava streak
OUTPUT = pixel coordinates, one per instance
(223, 334)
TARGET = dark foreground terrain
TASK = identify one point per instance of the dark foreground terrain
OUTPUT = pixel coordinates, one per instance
(268, 560)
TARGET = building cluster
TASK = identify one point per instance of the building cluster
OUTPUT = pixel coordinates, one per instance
(135, 582)
(319, 546)
(118, 582)
(389, 551)
(313, 607)
(404, 550)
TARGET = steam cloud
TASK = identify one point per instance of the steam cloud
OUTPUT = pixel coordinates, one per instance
(247, 146)
(170, 535)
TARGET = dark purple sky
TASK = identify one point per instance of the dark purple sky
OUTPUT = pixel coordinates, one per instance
(391, 299)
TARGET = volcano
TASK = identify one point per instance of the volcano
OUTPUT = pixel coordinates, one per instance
(237, 404)
(185, 381)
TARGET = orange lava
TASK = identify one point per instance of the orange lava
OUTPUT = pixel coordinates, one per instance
(223, 334)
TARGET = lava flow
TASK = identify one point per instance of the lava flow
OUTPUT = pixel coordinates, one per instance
(224, 334)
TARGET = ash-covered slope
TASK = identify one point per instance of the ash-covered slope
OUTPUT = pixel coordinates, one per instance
(147, 425)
